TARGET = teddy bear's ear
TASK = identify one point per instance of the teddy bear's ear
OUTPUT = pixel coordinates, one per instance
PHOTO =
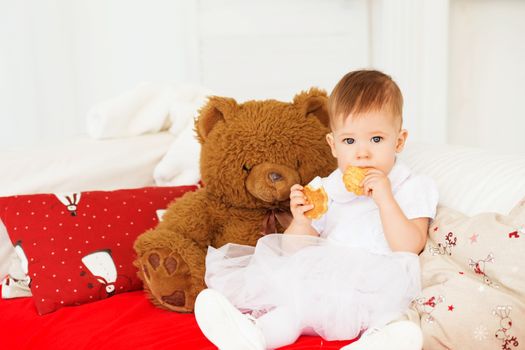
(217, 108)
(313, 101)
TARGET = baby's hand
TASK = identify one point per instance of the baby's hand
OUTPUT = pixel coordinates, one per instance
(298, 204)
(377, 185)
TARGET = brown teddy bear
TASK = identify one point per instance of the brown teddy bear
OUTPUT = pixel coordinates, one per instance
(252, 153)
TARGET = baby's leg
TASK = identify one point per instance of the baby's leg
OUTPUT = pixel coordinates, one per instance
(280, 327)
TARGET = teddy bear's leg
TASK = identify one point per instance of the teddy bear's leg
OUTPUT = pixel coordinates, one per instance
(171, 267)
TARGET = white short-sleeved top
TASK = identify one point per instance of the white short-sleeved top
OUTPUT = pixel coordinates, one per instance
(355, 221)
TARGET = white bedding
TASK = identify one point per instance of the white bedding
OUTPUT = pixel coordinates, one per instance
(470, 180)
(84, 164)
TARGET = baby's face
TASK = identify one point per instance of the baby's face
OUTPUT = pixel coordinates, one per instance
(369, 140)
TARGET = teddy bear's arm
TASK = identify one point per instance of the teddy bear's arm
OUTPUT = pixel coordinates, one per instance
(191, 217)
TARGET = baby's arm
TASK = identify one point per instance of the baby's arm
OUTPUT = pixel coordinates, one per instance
(401, 233)
(300, 225)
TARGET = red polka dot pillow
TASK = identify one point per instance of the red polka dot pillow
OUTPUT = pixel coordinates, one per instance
(77, 248)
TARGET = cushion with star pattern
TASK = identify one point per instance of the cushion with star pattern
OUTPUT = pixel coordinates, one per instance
(473, 279)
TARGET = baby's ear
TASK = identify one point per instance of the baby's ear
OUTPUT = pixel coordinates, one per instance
(217, 108)
(314, 102)
(401, 140)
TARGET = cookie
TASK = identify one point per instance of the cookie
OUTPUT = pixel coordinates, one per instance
(352, 178)
(316, 195)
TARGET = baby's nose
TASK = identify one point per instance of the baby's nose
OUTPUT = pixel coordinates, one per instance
(362, 153)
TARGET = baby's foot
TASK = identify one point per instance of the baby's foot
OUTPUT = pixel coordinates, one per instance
(401, 335)
(224, 325)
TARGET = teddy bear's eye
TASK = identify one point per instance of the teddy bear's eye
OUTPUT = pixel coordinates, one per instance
(246, 168)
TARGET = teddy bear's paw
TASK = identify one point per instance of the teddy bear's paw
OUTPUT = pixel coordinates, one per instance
(168, 279)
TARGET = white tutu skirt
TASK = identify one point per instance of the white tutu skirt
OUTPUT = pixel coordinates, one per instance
(335, 291)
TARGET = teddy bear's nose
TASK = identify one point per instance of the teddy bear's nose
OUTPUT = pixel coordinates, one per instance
(274, 177)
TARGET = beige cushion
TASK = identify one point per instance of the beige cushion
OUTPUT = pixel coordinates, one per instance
(474, 281)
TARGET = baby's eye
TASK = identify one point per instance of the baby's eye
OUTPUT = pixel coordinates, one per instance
(376, 139)
(349, 140)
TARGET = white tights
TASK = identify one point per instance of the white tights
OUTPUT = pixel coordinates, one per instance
(280, 327)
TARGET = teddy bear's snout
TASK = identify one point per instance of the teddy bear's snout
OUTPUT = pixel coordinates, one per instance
(271, 182)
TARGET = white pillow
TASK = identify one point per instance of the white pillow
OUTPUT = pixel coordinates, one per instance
(470, 180)
(83, 164)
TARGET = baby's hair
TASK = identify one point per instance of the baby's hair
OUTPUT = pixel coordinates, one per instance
(364, 91)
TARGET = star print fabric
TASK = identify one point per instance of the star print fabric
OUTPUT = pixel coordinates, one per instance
(473, 276)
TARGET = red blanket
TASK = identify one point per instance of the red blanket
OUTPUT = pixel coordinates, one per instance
(124, 321)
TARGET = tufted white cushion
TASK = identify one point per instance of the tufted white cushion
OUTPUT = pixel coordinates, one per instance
(470, 180)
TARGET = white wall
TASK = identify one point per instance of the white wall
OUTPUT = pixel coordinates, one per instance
(274, 49)
(62, 56)
(35, 74)
(59, 57)
(409, 40)
(458, 62)
(487, 74)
